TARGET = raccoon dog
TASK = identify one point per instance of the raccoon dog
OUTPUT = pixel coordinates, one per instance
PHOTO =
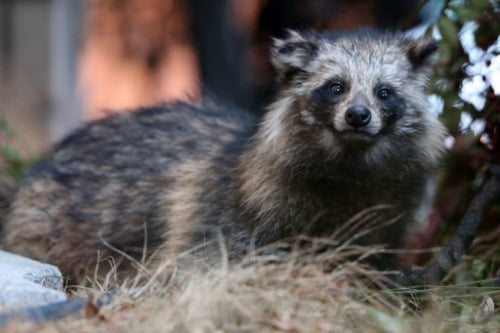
(349, 129)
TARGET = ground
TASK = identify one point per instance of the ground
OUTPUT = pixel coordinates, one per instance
(297, 291)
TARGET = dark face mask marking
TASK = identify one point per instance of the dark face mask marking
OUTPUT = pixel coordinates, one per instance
(331, 92)
(391, 104)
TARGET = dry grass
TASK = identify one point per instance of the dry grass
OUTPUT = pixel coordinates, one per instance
(296, 291)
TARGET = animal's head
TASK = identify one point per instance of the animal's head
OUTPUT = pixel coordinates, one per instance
(348, 93)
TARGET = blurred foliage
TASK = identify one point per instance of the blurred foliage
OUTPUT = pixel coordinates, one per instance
(467, 162)
(12, 161)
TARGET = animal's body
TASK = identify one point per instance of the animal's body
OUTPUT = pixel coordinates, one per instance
(349, 129)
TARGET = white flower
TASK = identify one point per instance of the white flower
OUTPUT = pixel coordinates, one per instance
(436, 34)
(495, 47)
(449, 142)
(473, 91)
(494, 72)
(476, 55)
(465, 121)
(436, 105)
(466, 36)
(478, 68)
(482, 73)
(468, 41)
(477, 127)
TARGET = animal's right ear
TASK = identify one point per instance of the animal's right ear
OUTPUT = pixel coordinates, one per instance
(293, 53)
(422, 53)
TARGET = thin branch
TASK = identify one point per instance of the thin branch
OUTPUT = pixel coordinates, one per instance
(458, 245)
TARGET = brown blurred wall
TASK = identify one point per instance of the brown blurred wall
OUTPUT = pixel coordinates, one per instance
(63, 61)
(24, 70)
(136, 53)
(39, 45)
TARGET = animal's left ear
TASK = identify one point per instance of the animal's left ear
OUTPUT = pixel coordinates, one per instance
(422, 54)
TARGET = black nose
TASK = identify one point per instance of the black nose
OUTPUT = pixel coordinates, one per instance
(358, 116)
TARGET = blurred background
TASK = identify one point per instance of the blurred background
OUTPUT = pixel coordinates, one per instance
(64, 61)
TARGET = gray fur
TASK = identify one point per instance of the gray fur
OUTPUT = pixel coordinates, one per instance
(174, 176)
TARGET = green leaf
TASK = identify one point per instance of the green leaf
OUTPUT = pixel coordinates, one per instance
(9, 154)
(449, 31)
(479, 5)
(457, 68)
(388, 323)
(466, 14)
(457, 3)
(445, 54)
(451, 116)
(451, 14)
(478, 269)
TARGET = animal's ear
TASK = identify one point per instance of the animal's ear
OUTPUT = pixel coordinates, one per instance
(422, 53)
(293, 53)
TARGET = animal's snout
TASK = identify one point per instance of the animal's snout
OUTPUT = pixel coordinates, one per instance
(358, 116)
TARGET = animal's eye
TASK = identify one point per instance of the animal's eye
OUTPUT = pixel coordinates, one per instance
(336, 88)
(384, 93)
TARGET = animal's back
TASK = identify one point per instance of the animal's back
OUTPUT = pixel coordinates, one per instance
(349, 131)
(104, 187)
